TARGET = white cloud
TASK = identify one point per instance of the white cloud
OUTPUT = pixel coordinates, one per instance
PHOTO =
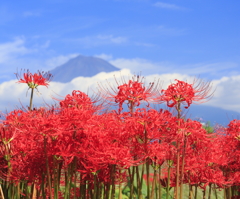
(137, 65)
(168, 6)
(9, 50)
(226, 95)
(147, 67)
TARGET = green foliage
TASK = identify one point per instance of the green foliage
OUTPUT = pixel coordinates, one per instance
(208, 128)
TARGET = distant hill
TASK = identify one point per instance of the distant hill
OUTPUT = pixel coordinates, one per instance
(85, 66)
(214, 115)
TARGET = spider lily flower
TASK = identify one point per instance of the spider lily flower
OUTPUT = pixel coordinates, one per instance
(34, 80)
(185, 93)
(78, 99)
(131, 92)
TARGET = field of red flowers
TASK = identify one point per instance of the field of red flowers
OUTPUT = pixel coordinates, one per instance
(81, 148)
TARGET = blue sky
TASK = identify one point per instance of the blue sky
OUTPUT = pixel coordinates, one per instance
(186, 38)
(177, 33)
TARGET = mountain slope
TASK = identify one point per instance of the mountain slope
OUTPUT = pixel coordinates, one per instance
(212, 114)
(81, 66)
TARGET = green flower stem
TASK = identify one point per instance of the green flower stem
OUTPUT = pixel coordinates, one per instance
(95, 187)
(120, 187)
(196, 186)
(31, 99)
(190, 194)
(73, 177)
(210, 191)
(56, 182)
(107, 190)
(190, 191)
(139, 187)
(183, 162)
(168, 179)
(178, 107)
(204, 193)
(148, 184)
(67, 182)
(153, 183)
(147, 163)
(141, 182)
(75, 182)
(43, 186)
(83, 189)
(215, 191)
(131, 181)
(113, 170)
(159, 183)
(48, 171)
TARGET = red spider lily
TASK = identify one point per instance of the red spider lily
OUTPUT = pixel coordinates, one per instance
(7, 135)
(149, 131)
(234, 129)
(28, 159)
(185, 93)
(204, 155)
(191, 130)
(76, 110)
(131, 92)
(78, 100)
(231, 150)
(34, 80)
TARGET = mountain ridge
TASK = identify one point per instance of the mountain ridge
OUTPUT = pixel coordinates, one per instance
(86, 66)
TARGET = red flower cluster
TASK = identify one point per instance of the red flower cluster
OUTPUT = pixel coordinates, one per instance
(132, 92)
(185, 93)
(78, 100)
(178, 93)
(36, 79)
